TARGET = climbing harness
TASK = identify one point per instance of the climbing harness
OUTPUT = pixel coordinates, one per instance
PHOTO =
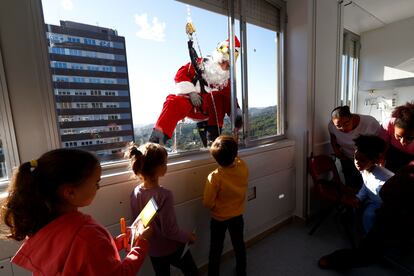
(198, 67)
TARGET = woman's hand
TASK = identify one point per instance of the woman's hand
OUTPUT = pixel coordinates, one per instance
(142, 232)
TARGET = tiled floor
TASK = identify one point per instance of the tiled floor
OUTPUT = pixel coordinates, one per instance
(291, 251)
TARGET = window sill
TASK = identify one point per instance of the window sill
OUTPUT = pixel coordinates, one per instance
(120, 172)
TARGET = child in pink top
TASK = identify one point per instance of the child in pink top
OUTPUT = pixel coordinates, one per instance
(399, 133)
(42, 209)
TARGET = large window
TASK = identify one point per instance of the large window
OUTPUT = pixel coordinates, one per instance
(262, 82)
(113, 64)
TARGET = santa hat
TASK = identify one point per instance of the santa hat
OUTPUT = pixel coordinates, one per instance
(222, 51)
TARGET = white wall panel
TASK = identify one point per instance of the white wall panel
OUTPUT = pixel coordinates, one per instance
(270, 161)
(8, 246)
(274, 202)
(18, 271)
(5, 268)
(188, 183)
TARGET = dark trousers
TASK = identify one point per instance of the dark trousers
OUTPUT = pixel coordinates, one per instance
(352, 176)
(186, 264)
(217, 234)
(389, 234)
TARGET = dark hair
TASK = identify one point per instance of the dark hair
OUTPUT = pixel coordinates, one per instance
(404, 116)
(33, 197)
(341, 111)
(146, 158)
(371, 146)
(224, 150)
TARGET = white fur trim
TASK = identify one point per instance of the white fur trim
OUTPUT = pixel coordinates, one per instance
(198, 89)
(184, 87)
(218, 57)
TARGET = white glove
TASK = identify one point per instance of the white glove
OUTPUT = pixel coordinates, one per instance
(195, 98)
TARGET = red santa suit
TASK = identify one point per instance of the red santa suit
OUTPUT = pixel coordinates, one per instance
(216, 103)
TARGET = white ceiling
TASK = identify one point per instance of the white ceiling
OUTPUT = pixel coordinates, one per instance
(365, 15)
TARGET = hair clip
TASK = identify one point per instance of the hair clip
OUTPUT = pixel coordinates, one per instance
(33, 163)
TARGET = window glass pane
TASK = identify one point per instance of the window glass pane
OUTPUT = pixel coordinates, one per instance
(113, 69)
(349, 76)
(344, 83)
(227, 123)
(263, 85)
(352, 79)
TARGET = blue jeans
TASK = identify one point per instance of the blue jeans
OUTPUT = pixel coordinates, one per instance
(369, 214)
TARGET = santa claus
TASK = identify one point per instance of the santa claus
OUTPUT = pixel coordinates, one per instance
(203, 95)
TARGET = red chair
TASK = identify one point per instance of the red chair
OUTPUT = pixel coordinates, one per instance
(329, 188)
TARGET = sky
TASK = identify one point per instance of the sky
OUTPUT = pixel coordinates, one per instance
(156, 46)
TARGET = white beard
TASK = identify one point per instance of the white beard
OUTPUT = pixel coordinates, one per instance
(214, 75)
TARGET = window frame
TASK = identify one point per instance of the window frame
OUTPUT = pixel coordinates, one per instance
(9, 145)
(281, 104)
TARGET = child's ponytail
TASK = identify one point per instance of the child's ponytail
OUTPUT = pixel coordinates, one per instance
(33, 192)
(136, 157)
(146, 159)
(26, 209)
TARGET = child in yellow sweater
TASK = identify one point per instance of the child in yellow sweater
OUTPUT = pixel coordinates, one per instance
(224, 195)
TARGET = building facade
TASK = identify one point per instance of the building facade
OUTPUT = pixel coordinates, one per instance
(91, 88)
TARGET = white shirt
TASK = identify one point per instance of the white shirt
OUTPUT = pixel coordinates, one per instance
(367, 125)
(374, 180)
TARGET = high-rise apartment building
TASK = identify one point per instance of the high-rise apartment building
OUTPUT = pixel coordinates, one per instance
(91, 87)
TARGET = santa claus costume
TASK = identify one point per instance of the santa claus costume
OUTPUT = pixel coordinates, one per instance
(206, 105)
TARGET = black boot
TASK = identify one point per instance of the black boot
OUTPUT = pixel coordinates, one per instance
(157, 136)
(212, 133)
(202, 131)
